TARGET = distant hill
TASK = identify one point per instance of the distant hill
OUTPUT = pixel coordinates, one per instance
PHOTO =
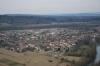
(24, 19)
(70, 14)
(82, 14)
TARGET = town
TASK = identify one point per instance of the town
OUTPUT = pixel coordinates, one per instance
(58, 40)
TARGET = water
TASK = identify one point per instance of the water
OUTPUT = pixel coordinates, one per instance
(97, 59)
(98, 54)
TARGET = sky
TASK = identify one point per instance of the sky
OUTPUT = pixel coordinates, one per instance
(48, 6)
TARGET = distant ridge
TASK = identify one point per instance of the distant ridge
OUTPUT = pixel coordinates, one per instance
(82, 14)
(25, 19)
(64, 14)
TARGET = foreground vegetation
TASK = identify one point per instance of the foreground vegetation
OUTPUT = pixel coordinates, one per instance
(96, 64)
(82, 56)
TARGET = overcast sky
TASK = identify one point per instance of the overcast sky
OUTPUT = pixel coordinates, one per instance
(48, 6)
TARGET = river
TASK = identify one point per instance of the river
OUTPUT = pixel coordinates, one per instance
(97, 59)
(98, 54)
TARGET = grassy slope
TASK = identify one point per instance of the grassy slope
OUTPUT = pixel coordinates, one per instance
(25, 59)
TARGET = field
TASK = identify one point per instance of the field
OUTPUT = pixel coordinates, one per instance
(9, 58)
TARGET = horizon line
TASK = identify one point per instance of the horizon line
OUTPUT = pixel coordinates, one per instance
(50, 13)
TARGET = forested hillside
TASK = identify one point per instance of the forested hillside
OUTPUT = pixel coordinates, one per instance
(44, 19)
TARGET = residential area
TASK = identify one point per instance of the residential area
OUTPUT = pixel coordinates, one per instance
(58, 40)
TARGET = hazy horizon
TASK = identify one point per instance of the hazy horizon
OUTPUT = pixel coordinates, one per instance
(49, 6)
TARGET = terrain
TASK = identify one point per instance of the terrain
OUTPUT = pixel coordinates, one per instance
(42, 40)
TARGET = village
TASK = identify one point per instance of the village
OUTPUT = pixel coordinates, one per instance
(52, 41)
